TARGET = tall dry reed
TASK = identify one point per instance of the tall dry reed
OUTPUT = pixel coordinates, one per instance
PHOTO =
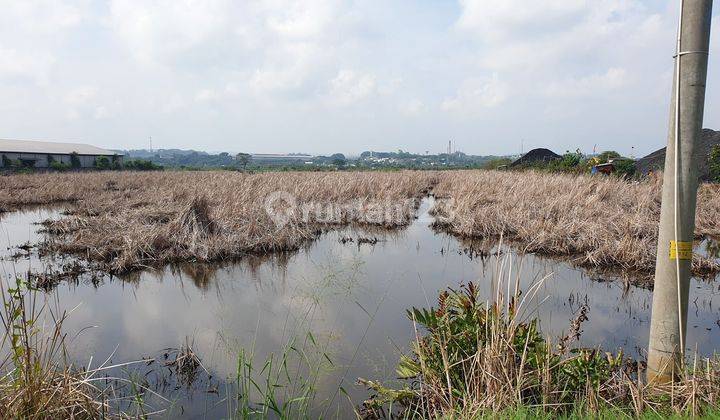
(37, 381)
(127, 220)
(599, 222)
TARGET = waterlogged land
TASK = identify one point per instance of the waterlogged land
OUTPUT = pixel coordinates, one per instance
(329, 295)
(128, 221)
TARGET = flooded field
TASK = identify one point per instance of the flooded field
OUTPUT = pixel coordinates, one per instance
(343, 297)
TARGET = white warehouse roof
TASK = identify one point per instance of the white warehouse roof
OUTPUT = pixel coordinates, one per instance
(51, 148)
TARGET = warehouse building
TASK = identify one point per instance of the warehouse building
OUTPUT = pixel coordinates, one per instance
(40, 154)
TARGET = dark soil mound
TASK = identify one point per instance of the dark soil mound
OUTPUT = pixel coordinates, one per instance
(655, 161)
(536, 156)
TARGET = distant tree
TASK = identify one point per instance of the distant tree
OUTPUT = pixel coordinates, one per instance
(59, 166)
(7, 162)
(338, 159)
(142, 165)
(572, 159)
(714, 163)
(75, 161)
(605, 156)
(116, 162)
(570, 162)
(243, 159)
(625, 168)
(102, 163)
(496, 163)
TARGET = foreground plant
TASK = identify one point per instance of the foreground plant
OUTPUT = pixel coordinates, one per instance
(37, 382)
(476, 358)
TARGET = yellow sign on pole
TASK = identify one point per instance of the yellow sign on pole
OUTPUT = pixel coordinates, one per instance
(681, 250)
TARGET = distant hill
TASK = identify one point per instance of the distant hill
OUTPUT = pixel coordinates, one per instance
(536, 156)
(655, 161)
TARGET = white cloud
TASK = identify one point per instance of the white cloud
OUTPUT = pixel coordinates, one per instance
(31, 66)
(303, 19)
(595, 84)
(162, 31)
(413, 107)
(101, 112)
(41, 17)
(284, 71)
(349, 87)
(30, 32)
(519, 36)
(207, 95)
(477, 94)
(81, 95)
(497, 20)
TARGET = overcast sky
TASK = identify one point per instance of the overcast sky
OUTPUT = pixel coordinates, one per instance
(322, 76)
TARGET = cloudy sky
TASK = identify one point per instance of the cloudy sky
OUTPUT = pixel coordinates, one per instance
(322, 76)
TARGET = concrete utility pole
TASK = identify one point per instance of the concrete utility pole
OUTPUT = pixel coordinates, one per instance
(677, 215)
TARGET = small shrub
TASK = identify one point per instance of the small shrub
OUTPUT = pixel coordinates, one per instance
(477, 358)
(102, 162)
(714, 164)
(570, 162)
(607, 155)
(496, 163)
(75, 161)
(142, 165)
(625, 168)
(59, 166)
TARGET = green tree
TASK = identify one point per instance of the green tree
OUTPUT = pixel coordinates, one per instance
(102, 163)
(496, 163)
(116, 162)
(570, 162)
(142, 165)
(75, 161)
(243, 159)
(714, 163)
(338, 159)
(605, 156)
(625, 168)
(59, 166)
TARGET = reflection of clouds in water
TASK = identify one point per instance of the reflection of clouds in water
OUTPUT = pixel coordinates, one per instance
(329, 289)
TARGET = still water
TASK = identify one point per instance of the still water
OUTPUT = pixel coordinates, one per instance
(351, 298)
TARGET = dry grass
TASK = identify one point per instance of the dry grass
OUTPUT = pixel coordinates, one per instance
(600, 222)
(127, 221)
(36, 379)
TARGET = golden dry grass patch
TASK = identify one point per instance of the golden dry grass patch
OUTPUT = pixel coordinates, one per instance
(130, 220)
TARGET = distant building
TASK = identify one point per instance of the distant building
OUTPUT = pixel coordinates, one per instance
(40, 154)
(608, 167)
(279, 156)
(280, 159)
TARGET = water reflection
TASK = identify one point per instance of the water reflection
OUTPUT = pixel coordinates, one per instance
(351, 297)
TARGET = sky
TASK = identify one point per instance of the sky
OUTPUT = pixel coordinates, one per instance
(326, 76)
